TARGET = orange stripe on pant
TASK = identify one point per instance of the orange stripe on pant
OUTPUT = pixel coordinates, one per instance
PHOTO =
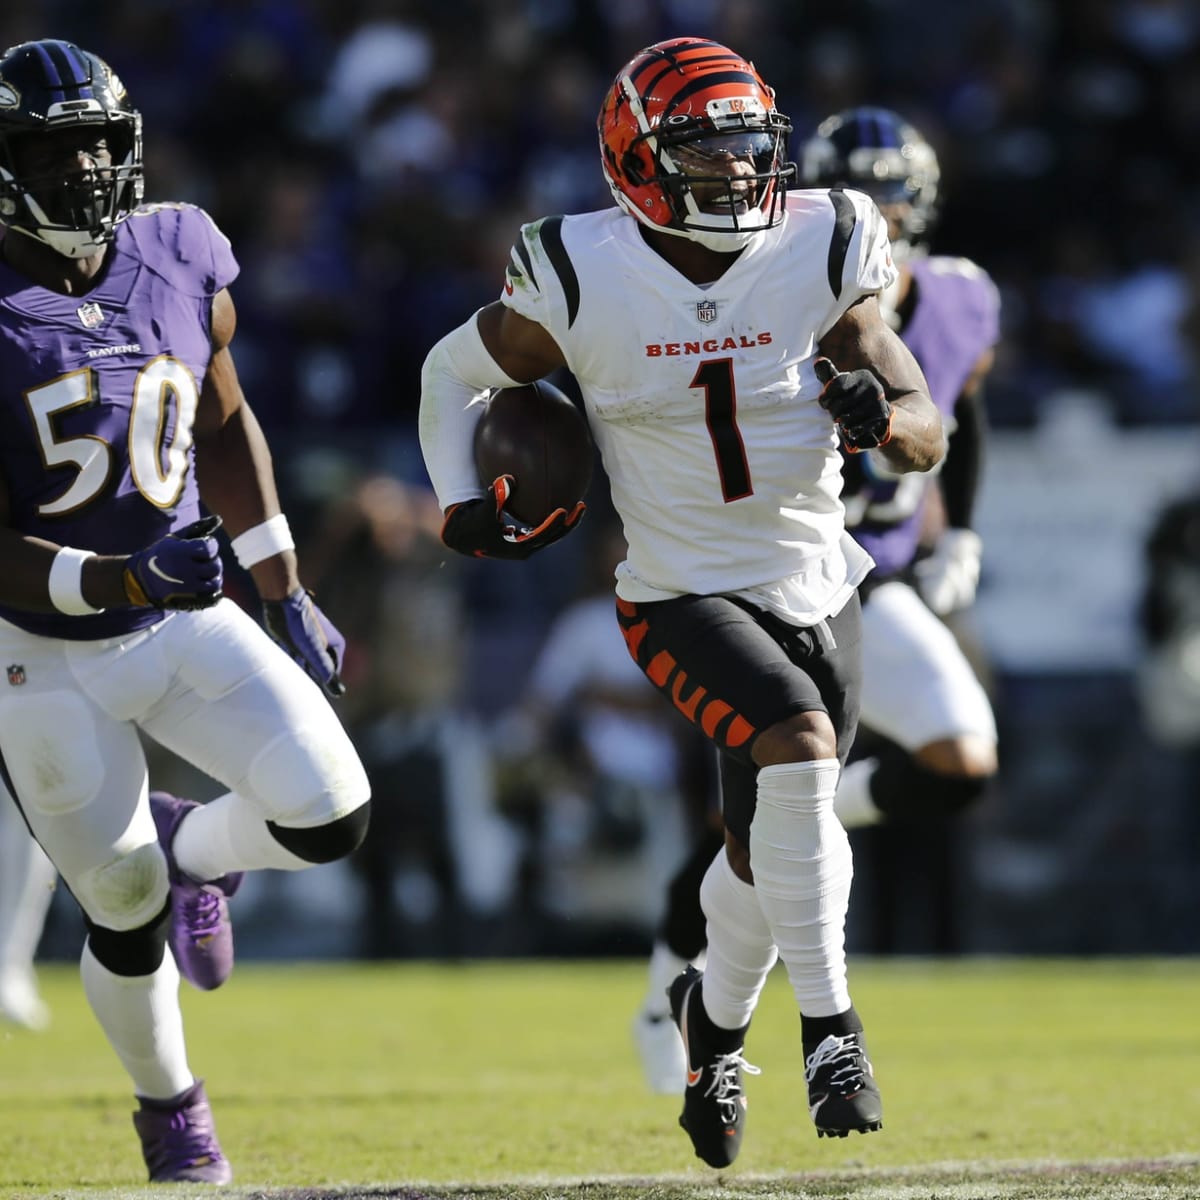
(708, 714)
(634, 636)
(687, 707)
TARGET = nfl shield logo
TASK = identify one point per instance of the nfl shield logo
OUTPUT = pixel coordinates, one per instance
(16, 674)
(90, 314)
(706, 311)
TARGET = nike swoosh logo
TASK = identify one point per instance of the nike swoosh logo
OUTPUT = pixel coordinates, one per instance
(693, 1077)
(153, 567)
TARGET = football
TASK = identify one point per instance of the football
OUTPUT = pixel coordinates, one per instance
(535, 434)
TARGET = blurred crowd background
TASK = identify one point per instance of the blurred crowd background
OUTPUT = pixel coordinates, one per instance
(372, 160)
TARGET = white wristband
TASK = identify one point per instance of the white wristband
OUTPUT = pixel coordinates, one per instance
(65, 583)
(262, 541)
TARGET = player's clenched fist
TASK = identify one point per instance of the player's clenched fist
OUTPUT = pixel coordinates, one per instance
(182, 570)
(856, 402)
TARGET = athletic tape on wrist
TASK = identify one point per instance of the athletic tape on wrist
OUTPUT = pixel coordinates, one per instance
(273, 536)
(65, 583)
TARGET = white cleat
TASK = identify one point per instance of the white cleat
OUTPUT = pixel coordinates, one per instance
(661, 1050)
(20, 1003)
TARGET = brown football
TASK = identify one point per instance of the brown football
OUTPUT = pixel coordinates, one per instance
(535, 434)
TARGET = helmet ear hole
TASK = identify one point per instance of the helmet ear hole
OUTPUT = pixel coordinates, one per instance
(633, 168)
(610, 160)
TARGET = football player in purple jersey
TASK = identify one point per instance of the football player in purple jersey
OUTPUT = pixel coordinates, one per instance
(122, 413)
(919, 691)
(936, 727)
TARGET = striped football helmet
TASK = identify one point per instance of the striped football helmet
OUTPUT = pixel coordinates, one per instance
(692, 144)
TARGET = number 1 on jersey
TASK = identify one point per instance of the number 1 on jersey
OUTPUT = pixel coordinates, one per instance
(720, 415)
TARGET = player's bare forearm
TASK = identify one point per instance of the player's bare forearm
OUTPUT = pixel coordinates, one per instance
(24, 582)
(234, 470)
(237, 480)
(863, 340)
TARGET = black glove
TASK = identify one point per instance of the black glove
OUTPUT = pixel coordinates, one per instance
(179, 571)
(483, 529)
(309, 636)
(856, 401)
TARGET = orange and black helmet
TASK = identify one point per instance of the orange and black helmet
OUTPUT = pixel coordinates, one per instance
(676, 117)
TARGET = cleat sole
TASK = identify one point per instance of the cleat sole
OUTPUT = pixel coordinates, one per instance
(841, 1133)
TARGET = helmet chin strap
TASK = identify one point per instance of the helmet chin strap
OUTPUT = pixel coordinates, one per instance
(73, 245)
(70, 243)
(724, 241)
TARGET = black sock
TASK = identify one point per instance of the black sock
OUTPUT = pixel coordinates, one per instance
(683, 924)
(723, 1041)
(814, 1030)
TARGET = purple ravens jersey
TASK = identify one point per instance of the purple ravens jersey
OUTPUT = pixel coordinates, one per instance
(98, 397)
(954, 321)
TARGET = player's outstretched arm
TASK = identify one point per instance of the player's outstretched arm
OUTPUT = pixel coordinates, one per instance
(237, 480)
(948, 577)
(879, 397)
(233, 462)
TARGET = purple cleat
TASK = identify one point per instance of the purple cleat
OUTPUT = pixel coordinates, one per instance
(179, 1140)
(201, 934)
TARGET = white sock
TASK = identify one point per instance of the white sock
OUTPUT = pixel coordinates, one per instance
(802, 866)
(26, 888)
(661, 971)
(853, 805)
(229, 834)
(741, 951)
(140, 1017)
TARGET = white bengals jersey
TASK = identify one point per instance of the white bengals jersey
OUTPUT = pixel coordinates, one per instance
(724, 468)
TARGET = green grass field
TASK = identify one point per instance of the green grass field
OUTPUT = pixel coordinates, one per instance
(1000, 1078)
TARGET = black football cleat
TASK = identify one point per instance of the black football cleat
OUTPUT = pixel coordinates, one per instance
(714, 1105)
(842, 1094)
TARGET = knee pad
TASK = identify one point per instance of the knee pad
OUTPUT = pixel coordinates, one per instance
(325, 843)
(127, 892)
(131, 952)
(901, 788)
(304, 777)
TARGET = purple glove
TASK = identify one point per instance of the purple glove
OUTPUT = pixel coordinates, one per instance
(182, 570)
(308, 635)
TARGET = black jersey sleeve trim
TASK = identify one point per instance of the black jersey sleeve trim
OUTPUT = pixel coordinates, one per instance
(844, 221)
(560, 260)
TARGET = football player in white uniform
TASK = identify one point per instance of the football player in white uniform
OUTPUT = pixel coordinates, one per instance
(919, 691)
(699, 317)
